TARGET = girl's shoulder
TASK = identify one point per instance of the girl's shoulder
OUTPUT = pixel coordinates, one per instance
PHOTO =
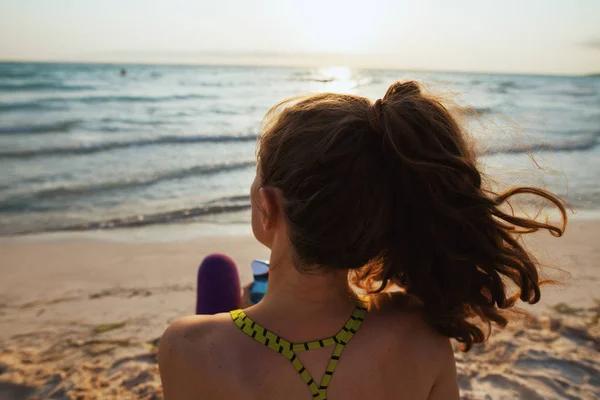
(411, 344)
(401, 320)
(192, 351)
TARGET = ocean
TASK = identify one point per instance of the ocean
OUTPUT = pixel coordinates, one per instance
(89, 147)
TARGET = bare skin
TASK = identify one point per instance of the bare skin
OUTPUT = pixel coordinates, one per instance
(394, 355)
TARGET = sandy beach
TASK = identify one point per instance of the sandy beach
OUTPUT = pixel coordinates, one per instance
(132, 132)
(81, 316)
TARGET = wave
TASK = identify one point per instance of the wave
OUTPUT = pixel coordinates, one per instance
(181, 215)
(323, 80)
(13, 73)
(579, 143)
(229, 199)
(363, 82)
(471, 111)
(587, 92)
(60, 126)
(571, 144)
(505, 87)
(134, 99)
(43, 87)
(108, 146)
(21, 203)
(132, 121)
(59, 103)
(307, 77)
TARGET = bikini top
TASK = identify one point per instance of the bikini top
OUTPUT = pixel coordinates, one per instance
(289, 350)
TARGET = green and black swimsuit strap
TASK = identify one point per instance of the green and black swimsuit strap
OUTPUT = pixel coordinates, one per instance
(289, 350)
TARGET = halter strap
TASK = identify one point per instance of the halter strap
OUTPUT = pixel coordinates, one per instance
(289, 350)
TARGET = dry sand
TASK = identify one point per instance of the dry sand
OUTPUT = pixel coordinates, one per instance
(80, 318)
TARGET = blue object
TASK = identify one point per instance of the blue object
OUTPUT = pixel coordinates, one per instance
(258, 288)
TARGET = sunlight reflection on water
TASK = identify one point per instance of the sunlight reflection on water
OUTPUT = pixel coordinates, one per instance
(336, 80)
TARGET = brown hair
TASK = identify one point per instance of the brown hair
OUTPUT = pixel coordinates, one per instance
(391, 191)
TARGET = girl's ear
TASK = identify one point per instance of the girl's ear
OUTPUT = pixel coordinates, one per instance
(269, 205)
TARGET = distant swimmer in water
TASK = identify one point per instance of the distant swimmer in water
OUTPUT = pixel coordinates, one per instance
(123, 72)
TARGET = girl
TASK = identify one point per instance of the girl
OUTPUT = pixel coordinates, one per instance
(382, 199)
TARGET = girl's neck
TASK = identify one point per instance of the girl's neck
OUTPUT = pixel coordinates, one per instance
(322, 293)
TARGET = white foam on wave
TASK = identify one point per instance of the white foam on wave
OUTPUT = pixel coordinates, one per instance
(577, 143)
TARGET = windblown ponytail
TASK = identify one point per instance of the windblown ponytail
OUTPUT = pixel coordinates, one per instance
(391, 191)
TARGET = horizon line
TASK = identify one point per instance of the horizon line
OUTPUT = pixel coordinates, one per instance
(278, 62)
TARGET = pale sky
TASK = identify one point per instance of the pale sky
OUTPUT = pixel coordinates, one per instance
(531, 36)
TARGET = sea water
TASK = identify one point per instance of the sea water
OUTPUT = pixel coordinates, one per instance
(85, 147)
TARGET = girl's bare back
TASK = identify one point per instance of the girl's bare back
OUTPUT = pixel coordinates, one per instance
(394, 355)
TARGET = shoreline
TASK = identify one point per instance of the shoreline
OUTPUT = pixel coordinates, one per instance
(186, 231)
